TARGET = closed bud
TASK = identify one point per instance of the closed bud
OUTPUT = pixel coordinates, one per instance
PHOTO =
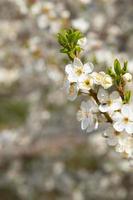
(127, 77)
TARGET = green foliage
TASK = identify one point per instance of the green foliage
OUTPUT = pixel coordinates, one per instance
(68, 39)
(118, 71)
(127, 97)
(110, 72)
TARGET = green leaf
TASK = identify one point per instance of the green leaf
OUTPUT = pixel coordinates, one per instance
(125, 68)
(68, 39)
(127, 96)
(110, 72)
(117, 67)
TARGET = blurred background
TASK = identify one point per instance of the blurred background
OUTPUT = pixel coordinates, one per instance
(44, 155)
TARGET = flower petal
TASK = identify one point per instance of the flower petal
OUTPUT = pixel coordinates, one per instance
(102, 95)
(84, 106)
(116, 105)
(88, 68)
(114, 95)
(126, 110)
(92, 106)
(91, 125)
(84, 123)
(119, 126)
(129, 128)
(77, 62)
(117, 116)
(69, 69)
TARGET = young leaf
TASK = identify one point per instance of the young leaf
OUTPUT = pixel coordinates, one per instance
(127, 96)
(117, 67)
(125, 68)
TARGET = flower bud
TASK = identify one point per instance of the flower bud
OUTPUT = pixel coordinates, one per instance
(107, 81)
(82, 42)
(127, 77)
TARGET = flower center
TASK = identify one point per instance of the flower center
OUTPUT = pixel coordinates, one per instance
(126, 120)
(78, 71)
(109, 102)
(87, 82)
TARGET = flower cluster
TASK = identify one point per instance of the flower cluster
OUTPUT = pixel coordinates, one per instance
(109, 100)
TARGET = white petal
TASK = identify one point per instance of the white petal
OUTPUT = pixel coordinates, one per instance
(68, 69)
(84, 123)
(92, 106)
(88, 68)
(72, 78)
(131, 115)
(77, 62)
(119, 126)
(82, 78)
(126, 110)
(114, 95)
(79, 115)
(129, 128)
(84, 106)
(117, 116)
(116, 105)
(102, 95)
(91, 125)
(104, 108)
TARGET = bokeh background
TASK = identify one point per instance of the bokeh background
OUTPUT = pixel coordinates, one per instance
(44, 155)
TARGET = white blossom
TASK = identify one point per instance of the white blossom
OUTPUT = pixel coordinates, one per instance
(123, 120)
(125, 145)
(122, 142)
(109, 103)
(87, 115)
(85, 82)
(77, 69)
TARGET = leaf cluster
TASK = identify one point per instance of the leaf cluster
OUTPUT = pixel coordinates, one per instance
(118, 71)
(68, 39)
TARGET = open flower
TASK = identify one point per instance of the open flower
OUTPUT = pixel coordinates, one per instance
(77, 69)
(85, 82)
(87, 115)
(125, 145)
(124, 120)
(122, 142)
(109, 103)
